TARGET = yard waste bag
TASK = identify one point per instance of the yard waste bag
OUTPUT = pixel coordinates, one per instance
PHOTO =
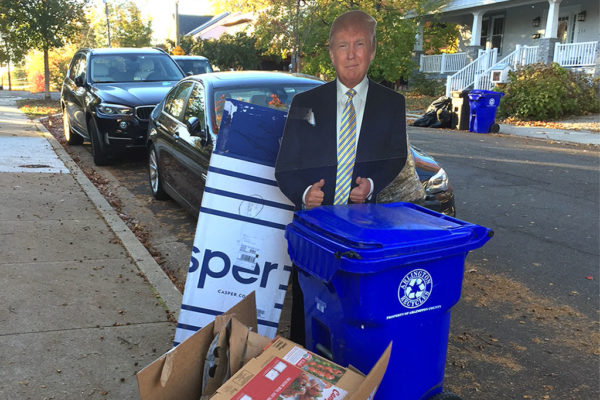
(375, 273)
(437, 115)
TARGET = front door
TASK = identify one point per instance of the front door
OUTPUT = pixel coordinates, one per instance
(563, 30)
(492, 32)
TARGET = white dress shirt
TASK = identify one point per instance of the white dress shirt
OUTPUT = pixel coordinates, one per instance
(359, 100)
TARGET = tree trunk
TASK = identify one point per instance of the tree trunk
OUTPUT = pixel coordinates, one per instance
(46, 76)
(9, 81)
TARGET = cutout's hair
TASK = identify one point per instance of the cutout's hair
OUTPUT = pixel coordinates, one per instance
(351, 19)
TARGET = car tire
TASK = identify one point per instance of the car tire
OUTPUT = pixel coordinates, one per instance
(155, 177)
(71, 137)
(98, 151)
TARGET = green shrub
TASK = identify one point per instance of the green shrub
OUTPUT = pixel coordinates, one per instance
(543, 92)
(419, 84)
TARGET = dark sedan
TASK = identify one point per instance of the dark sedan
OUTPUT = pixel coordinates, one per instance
(108, 94)
(183, 129)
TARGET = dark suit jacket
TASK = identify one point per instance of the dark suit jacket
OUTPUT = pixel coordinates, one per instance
(308, 150)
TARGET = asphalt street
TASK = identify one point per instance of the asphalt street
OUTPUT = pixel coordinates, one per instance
(527, 323)
(541, 199)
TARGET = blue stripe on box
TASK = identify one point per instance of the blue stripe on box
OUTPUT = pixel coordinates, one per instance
(188, 327)
(243, 176)
(208, 311)
(242, 218)
(244, 158)
(267, 323)
(248, 198)
(278, 306)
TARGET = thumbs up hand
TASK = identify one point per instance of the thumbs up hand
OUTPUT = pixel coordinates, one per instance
(314, 196)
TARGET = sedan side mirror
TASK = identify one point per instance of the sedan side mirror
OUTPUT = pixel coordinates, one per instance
(194, 127)
(80, 80)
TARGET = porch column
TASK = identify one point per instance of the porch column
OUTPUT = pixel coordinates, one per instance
(475, 44)
(552, 20)
(419, 37)
(418, 47)
(546, 49)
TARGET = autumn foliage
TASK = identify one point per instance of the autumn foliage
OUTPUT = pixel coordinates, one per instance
(545, 92)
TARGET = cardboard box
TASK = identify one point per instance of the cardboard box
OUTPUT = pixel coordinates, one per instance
(178, 373)
(276, 367)
(287, 371)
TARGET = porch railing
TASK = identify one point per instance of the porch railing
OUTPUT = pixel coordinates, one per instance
(522, 55)
(465, 77)
(442, 63)
(576, 54)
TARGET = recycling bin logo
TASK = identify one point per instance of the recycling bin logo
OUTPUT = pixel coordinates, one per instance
(415, 288)
(492, 101)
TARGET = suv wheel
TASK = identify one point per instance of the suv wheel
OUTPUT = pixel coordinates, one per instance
(98, 150)
(155, 177)
(71, 137)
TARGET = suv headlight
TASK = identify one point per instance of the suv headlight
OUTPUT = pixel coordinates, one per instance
(114, 109)
(437, 183)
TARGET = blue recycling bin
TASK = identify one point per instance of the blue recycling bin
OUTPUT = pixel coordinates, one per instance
(375, 273)
(483, 105)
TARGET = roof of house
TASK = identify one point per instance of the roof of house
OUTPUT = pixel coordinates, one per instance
(207, 24)
(226, 23)
(459, 5)
(188, 23)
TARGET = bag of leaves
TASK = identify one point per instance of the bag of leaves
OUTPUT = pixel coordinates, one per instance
(428, 119)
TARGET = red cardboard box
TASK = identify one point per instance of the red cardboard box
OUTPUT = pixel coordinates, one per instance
(261, 368)
(285, 370)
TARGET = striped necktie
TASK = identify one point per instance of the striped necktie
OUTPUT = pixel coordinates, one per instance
(346, 151)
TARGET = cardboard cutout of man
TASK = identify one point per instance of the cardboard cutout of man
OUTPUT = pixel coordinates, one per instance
(343, 141)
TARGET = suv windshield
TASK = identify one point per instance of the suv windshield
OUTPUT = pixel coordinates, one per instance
(133, 68)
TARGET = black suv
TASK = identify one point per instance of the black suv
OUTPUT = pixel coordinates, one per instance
(108, 95)
(193, 65)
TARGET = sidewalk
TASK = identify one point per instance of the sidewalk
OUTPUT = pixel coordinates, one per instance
(77, 318)
(559, 135)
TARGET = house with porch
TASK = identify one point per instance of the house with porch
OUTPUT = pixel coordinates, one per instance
(502, 34)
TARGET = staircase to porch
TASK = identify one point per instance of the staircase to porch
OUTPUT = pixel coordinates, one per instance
(477, 74)
(465, 78)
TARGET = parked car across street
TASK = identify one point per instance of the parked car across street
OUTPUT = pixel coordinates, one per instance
(193, 65)
(184, 126)
(108, 94)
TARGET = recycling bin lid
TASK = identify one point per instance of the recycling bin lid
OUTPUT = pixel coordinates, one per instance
(387, 232)
(482, 94)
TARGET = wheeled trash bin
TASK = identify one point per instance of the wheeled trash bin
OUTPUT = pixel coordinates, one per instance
(483, 105)
(460, 109)
(375, 273)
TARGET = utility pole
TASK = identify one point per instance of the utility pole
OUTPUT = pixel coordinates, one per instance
(176, 23)
(107, 22)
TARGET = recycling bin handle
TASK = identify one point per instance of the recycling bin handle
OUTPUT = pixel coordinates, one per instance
(348, 254)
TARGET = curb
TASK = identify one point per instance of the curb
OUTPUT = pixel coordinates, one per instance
(145, 263)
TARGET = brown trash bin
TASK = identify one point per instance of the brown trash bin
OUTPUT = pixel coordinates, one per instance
(460, 109)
